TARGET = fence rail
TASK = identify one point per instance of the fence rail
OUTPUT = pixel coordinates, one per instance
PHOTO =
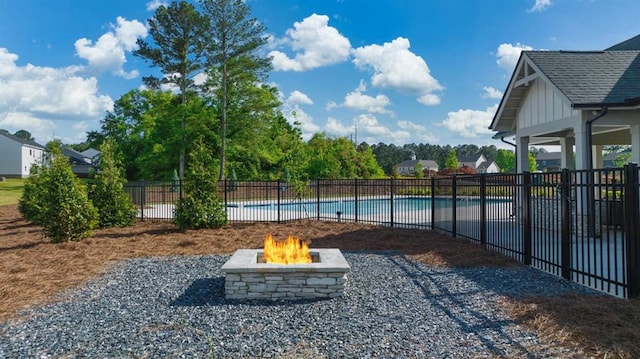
(580, 225)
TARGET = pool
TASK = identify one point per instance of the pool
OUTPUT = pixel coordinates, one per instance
(365, 206)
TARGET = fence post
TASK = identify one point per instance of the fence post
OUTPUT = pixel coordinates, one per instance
(355, 203)
(278, 198)
(226, 196)
(631, 213)
(143, 199)
(391, 201)
(454, 202)
(483, 210)
(526, 217)
(565, 205)
(318, 198)
(433, 204)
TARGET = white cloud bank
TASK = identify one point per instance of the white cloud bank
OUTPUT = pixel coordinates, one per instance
(154, 4)
(358, 101)
(491, 93)
(470, 123)
(108, 53)
(395, 66)
(315, 43)
(509, 54)
(37, 99)
(370, 130)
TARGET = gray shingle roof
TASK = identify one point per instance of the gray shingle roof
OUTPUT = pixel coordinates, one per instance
(22, 140)
(589, 78)
(627, 45)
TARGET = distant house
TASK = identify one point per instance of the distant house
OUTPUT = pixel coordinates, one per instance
(479, 163)
(92, 154)
(18, 155)
(549, 161)
(408, 168)
(81, 164)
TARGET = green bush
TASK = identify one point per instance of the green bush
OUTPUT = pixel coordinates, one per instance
(66, 212)
(115, 207)
(31, 204)
(201, 208)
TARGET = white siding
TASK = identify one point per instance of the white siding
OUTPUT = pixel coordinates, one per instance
(30, 155)
(542, 105)
(10, 158)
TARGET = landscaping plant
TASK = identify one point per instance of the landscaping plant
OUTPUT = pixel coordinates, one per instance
(115, 207)
(57, 200)
(201, 207)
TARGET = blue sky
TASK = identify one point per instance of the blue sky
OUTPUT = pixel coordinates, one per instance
(400, 71)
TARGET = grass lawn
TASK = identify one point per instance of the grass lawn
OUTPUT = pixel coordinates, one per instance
(11, 190)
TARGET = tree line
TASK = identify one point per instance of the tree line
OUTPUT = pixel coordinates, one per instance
(212, 88)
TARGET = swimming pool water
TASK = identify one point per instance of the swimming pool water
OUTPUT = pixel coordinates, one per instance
(366, 206)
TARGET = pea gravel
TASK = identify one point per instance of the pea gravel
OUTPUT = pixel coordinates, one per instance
(392, 308)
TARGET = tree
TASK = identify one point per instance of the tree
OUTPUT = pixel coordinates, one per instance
(506, 160)
(24, 134)
(180, 35)
(67, 213)
(418, 171)
(201, 208)
(451, 162)
(115, 207)
(232, 56)
(532, 165)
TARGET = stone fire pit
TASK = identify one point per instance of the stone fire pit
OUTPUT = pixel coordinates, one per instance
(248, 277)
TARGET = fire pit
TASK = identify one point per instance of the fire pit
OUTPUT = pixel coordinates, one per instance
(249, 276)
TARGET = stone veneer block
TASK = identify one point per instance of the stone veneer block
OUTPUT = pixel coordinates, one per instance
(246, 278)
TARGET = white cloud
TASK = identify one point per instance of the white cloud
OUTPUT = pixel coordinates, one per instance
(370, 130)
(394, 66)
(154, 4)
(315, 43)
(38, 98)
(509, 54)
(297, 97)
(541, 5)
(491, 93)
(108, 53)
(470, 123)
(359, 101)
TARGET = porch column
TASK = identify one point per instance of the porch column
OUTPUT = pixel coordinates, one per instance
(598, 160)
(566, 157)
(635, 143)
(582, 150)
(522, 145)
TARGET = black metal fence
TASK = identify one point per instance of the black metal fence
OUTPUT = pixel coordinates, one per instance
(580, 225)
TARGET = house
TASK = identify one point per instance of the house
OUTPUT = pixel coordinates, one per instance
(408, 168)
(18, 155)
(81, 165)
(92, 154)
(581, 99)
(479, 163)
(549, 161)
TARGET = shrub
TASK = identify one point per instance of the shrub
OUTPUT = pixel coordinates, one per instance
(31, 204)
(115, 207)
(67, 214)
(201, 208)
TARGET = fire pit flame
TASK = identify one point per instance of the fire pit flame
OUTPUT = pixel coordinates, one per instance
(291, 251)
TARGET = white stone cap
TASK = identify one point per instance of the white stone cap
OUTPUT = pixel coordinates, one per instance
(246, 260)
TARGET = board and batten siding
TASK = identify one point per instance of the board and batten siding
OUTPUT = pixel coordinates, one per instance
(543, 105)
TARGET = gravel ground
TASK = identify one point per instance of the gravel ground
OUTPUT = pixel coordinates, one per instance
(392, 308)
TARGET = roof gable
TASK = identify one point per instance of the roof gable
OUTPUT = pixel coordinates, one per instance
(21, 140)
(591, 78)
(584, 79)
(627, 45)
